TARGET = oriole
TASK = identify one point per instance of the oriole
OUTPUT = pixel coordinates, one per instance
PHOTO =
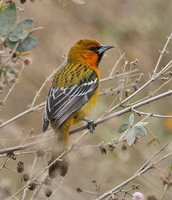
(73, 94)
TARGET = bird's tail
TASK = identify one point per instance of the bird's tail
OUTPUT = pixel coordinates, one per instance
(60, 167)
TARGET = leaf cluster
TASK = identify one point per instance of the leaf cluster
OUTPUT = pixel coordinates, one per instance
(17, 35)
(133, 131)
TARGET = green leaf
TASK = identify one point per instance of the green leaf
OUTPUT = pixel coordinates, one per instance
(130, 136)
(7, 19)
(131, 119)
(140, 131)
(21, 31)
(123, 128)
(26, 45)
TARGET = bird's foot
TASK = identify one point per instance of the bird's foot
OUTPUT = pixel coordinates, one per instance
(90, 125)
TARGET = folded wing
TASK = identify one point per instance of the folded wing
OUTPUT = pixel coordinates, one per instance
(62, 102)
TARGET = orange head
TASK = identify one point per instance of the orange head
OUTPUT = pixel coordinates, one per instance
(88, 52)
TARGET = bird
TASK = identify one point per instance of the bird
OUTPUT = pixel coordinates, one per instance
(73, 95)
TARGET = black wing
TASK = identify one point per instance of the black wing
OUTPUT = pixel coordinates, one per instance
(62, 102)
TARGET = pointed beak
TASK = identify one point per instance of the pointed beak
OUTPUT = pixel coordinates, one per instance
(104, 48)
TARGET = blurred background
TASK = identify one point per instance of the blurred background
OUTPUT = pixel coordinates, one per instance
(138, 28)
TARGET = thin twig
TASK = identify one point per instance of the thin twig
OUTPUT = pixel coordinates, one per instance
(13, 51)
(37, 107)
(144, 168)
(13, 86)
(152, 92)
(134, 72)
(152, 114)
(22, 147)
(36, 192)
(155, 77)
(116, 64)
(162, 53)
(44, 83)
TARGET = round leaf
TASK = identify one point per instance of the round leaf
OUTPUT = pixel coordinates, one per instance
(140, 131)
(130, 136)
(21, 31)
(27, 44)
(123, 128)
(7, 19)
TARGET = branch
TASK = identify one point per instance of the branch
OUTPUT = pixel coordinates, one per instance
(162, 53)
(21, 147)
(32, 107)
(128, 73)
(125, 110)
(14, 84)
(13, 51)
(41, 105)
(151, 93)
(37, 107)
(153, 78)
(152, 114)
(116, 64)
(113, 115)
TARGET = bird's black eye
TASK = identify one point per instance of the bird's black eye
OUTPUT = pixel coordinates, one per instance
(94, 49)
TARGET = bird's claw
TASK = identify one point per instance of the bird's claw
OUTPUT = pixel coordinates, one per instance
(91, 126)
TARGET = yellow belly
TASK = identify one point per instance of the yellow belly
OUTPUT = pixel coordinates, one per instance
(87, 108)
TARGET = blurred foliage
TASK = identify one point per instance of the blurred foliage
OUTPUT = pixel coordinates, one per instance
(15, 39)
(7, 19)
(16, 34)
